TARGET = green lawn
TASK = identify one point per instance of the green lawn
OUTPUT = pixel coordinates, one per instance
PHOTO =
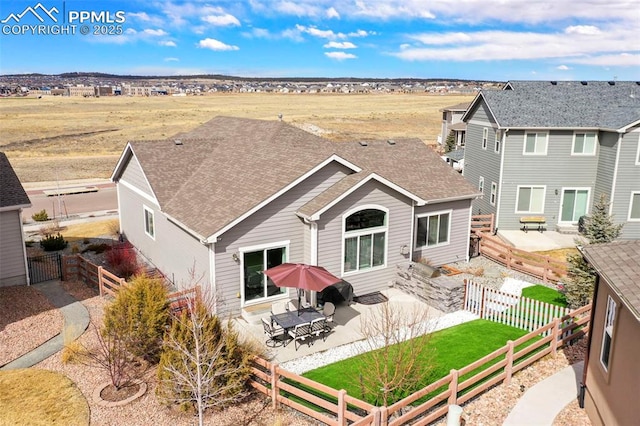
(545, 294)
(451, 348)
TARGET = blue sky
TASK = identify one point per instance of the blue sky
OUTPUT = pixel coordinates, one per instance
(467, 39)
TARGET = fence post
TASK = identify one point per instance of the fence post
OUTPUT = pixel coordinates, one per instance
(274, 386)
(493, 217)
(508, 368)
(342, 408)
(453, 387)
(464, 297)
(554, 337)
(482, 302)
(100, 280)
(376, 416)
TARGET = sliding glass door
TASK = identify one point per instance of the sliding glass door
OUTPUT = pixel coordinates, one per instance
(256, 284)
(574, 204)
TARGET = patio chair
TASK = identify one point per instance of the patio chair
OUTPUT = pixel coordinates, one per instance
(318, 327)
(301, 332)
(279, 308)
(275, 334)
(328, 311)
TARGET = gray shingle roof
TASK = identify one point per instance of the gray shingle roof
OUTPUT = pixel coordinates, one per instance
(457, 107)
(11, 191)
(228, 166)
(619, 264)
(570, 104)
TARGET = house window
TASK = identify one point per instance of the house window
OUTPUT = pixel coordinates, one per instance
(434, 229)
(530, 199)
(481, 184)
(149, 224)
(255, 260)
(365, 240)
(634, 208)
(535, 144)
(607, 338)
(498, 140)
(584, 144)
(494, 193)
(485, 137)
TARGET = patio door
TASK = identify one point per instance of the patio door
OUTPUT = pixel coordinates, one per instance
(574, 204)
(258, 286)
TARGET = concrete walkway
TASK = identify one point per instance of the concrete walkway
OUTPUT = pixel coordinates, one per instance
(76, 321)
(540, 405)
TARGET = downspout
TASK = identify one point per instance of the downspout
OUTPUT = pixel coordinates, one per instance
(583, 383)
(24, 250)
(212, 274)
(313, 258)
(411, 237)
(496, 224)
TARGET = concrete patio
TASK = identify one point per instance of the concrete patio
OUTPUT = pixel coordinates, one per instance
(346, 329)
(539, 241)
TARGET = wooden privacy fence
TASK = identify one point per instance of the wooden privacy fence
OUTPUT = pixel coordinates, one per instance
(543, 267)
(509, 309)
(482, 223)
(334, 407)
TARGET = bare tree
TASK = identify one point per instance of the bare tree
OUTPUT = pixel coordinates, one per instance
(396, 355)
(203, 363)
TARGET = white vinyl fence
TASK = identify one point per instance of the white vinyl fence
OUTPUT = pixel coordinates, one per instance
(510, 309)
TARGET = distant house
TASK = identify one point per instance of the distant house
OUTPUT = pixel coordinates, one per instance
(236, 196)
(455, 159)
(612, 372)
(540, 148)
(452, 122)
(13, 198)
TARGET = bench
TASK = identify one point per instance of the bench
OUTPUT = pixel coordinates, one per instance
(528, 222)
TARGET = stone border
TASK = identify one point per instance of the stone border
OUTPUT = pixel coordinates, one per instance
(98, 399)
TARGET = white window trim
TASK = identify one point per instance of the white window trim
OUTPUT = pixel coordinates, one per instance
(263, 247)
(367, 231)
(481, 184)
(485, 137)
(629, 218)
(435, 213)
(584, 154)
(546, 145)
(544, 199)
(607, 328)
(153, 220)
(493, 194)
(498, 141)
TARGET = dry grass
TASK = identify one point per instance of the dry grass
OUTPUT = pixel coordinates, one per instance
(70, 138)
(40, 397)
(558, 254)
(97, 229)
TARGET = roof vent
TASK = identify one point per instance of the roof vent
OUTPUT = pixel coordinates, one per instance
(584, 83)
(612, 83)
(391, 142)
(363, 143)
(554, 83)
(177, 142)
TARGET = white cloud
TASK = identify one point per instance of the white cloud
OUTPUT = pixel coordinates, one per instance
(292, 34)
(361, 33)
(142, 16)
(297, 8)
(168, 43)
(313, 31)
(583, 29)
(216, 45)
(223, 20)
(171, 59)
(332, 13)
(563, 68)
(258, 33)
(340, 45)
(155, 33)
(340, 56)
(615, 60)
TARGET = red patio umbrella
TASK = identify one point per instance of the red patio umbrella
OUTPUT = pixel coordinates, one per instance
(301, 276)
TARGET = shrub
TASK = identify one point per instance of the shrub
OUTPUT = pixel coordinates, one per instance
(53, 242)
(138, 316)
(40, 216)
(123, 261)
(97, 248)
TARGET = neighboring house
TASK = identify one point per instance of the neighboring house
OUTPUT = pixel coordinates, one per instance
(452, 122)
(236, 196)
(612, 373)
(552, 148)
(13, 255)
(455, 159)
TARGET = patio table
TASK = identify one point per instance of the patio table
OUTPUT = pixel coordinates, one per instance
(290, 319)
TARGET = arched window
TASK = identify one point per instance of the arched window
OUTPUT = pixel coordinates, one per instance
(365, 240)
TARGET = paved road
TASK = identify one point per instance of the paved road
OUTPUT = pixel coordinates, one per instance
(105, 199)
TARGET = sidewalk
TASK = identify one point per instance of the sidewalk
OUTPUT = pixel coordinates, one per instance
(540, 405)
(76, 321)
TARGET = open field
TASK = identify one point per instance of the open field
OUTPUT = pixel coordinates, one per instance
(56, 138)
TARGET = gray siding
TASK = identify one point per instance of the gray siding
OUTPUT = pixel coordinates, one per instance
(330, 237)
(275, 222)
(606, 165)
(458, 247)
(12, 267)
(134, 175)
(179, 255)
(627, 181)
